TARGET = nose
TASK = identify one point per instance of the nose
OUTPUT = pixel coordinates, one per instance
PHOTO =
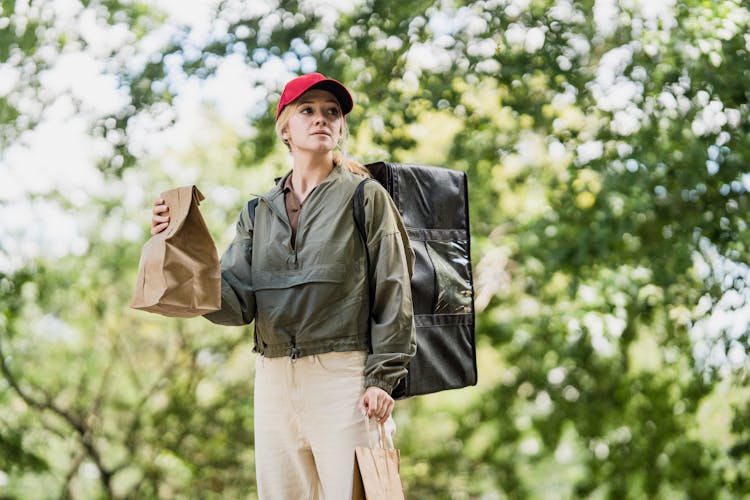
(320, 117)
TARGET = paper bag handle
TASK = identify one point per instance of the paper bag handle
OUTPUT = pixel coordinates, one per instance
(381, 433)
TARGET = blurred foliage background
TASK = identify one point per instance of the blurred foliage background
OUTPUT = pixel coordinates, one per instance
(605, 143)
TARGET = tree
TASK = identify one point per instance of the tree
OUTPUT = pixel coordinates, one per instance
(604, 144)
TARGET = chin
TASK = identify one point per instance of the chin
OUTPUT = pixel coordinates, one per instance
(322, 148)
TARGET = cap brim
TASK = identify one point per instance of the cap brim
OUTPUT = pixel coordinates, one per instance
(339, 91)
(298, 86)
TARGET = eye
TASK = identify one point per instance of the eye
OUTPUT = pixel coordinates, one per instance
(305, 110)
(334, 111)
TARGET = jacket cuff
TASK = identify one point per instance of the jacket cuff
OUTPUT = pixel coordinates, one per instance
(376, 382)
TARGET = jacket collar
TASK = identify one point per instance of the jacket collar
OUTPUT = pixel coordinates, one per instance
(275, 198)
(278, 188)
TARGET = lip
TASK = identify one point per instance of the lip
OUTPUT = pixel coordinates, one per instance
(321, 132)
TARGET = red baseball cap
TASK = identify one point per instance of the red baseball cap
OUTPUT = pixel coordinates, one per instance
(298, 86)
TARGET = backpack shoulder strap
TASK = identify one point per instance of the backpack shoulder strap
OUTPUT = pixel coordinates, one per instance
(253, 204)
(358, 210)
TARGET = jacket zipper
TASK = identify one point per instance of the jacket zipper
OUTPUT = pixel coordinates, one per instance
(293, 351)
(296, 237)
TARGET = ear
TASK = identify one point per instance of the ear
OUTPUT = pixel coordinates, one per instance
(285, 135)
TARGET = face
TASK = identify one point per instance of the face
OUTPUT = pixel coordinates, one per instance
(316, 123)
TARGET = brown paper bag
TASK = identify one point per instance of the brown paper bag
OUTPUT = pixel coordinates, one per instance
(178, 274)
(376, 471)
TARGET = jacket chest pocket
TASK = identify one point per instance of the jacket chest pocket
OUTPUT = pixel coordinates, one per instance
(297, 299)
(274, 279)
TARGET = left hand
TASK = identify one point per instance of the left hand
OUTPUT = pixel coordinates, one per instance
(376, 403)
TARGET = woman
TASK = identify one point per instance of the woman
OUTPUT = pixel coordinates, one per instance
(298, 269)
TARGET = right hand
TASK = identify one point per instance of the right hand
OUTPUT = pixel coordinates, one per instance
(159, 219)
(376, 403)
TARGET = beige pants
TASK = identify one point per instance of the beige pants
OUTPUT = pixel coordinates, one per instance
(307, 425)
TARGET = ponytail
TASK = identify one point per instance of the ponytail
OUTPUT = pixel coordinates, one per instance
(352, 165)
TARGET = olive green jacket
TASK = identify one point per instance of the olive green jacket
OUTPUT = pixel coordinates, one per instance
(312, 297)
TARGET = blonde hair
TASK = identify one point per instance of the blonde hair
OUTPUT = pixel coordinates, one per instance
(339, 157)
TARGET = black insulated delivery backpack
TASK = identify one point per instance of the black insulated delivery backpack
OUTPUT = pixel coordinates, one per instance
(434, 205)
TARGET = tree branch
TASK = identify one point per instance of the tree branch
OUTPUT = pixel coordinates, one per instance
(66, 491)
(79, 425)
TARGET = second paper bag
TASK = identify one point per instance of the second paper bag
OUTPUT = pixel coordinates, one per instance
(376, 471)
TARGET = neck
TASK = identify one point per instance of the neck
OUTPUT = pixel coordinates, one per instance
(310, 170)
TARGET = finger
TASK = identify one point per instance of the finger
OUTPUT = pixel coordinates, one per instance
(382, 408)
(389, 411)
(158, 209)
(386, 407)
(383, 412)
(159, 228)
(158, 201)
(374, 408)
(367, 404)
(156, 219)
